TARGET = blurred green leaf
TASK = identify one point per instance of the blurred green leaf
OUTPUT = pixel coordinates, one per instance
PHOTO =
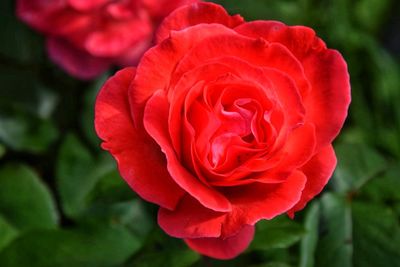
(82, 179)
(396, 209)
(22, 132)
(7, 232)
(335, 247)
(309, 241)
(371, 13)
(280, 232)
(183, 257)
(165, 251)
(94, 246)
(25, 201)
(111, 187)
(74, 175)
(376, 236)
(357, 164)
(2, 150)
(132, 214)
(284, 10)
(385, 187)
(272, 264)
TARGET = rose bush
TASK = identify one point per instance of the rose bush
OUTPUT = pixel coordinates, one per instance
(225, 123)
(86, 37)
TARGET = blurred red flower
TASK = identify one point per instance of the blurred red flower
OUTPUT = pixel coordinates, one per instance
(224, 123)
(86, 37)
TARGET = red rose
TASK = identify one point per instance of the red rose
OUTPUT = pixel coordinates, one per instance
(86, 37)
(225, 123)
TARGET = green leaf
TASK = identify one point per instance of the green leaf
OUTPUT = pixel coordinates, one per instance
(357, 164)
(2, 150)
(376, 236)
(280, 232)
(7, 233)
(272, 264)
(24, 200)
(24, 132)
(396, 209)
(309, 241)
(74, 178)
(371, 13)
(335, 246)
(132, 214)
(183, 257)
(83, 180)
(289, 11)
(165, 251)
(384, 188)
(94, 246)
(111, 187)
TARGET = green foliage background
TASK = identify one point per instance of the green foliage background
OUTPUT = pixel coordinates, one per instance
(62, 202)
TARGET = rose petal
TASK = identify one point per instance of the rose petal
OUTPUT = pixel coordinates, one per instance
(324, 68)
(318, 171)
(85, 5)
(250, 203)
(257, 52)
(132, 56)
(328, 75)
(35, 12)
(76, 62)
(158, 63)
(191, 15)
(114, 39)
(156, 124)
(140, 161)
(300, 40)
(223, 249)
(257, 201)
(161, 8)
(190, 219)
(298, 149)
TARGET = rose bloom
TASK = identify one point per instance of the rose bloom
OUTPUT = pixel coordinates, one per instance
(86, 37)
(225, 123)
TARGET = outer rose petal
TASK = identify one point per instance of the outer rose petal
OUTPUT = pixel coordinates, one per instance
(158, 63)
(161, 8)
(318, 171)
(254, 202)
(156, 124)
(86, 5)
(195, 14)
(54, 18)
(190, 219)
(256, 51)
(250, 203)
(300, 40)
(114, 39)
(223, 249)
(330, 80)
(32, 11)
(76, 62)
(140, 161)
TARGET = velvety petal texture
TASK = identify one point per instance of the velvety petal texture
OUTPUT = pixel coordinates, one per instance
(86, 37)
(225, 123)
(132, 147)
(223, 249)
